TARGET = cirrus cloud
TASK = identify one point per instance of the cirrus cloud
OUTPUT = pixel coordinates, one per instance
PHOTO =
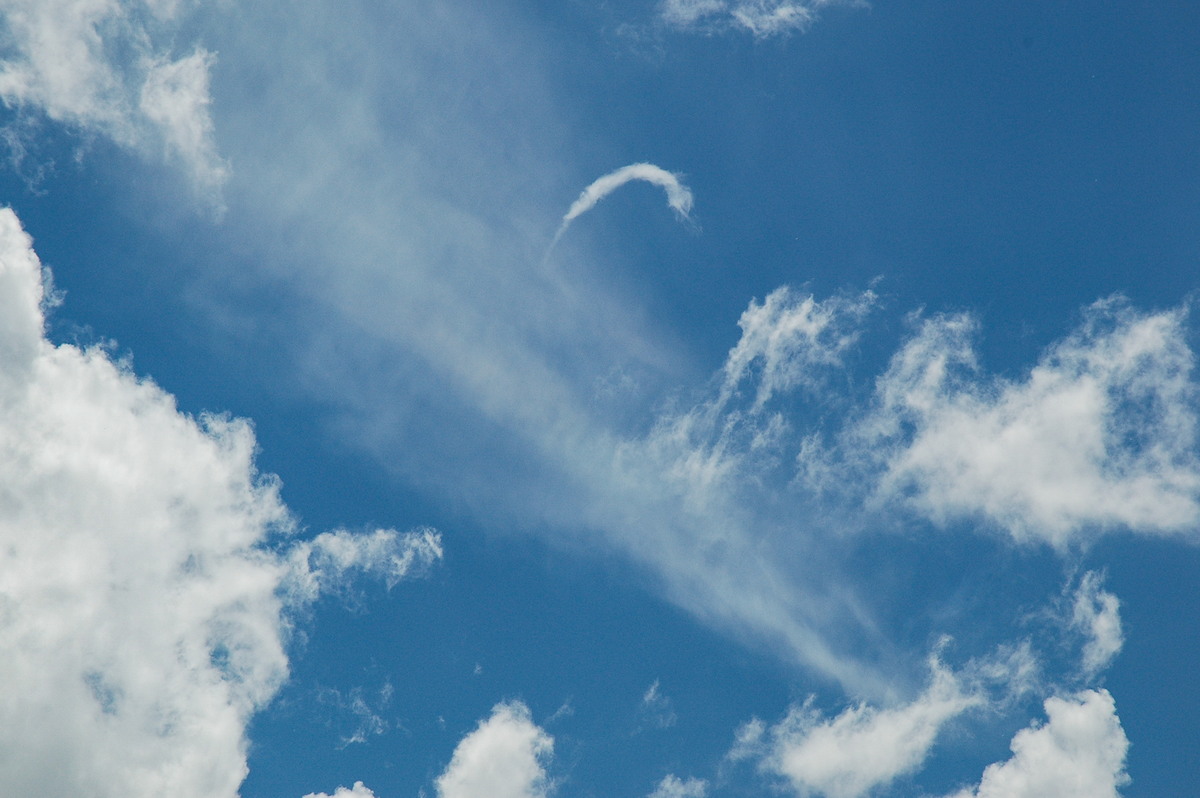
(105, 67)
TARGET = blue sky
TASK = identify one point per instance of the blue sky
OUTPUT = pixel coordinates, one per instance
(674, 399)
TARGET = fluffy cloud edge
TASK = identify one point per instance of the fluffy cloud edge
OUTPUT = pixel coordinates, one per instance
(504, 757)
(176, 576)
(1079, 752)
(862, 748)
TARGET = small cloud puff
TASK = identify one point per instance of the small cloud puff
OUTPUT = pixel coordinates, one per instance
(673, 787)
(1096, 613)
(859, 750)
(656, 708)
(357, 791)
(504, 757)
(1078, 753)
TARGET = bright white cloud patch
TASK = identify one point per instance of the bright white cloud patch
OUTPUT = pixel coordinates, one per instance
(1101, 434)
(1096, 613)
(105, 67)
(679, 197)
(504, 757)
(762, 18)
(357, 791)
(331, 560)
(860, 749)
(146, 587)
(790, 337)
(1078, 753)
(673, 787)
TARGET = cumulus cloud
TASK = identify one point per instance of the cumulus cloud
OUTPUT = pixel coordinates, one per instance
(762, 18)
(1096, 613)
(357, 791)
(679, 197)
(105, 67)
(860, 749)
(148, 592)
(504, 757)
(673, 787)
(1078, 753)
(1099, 435)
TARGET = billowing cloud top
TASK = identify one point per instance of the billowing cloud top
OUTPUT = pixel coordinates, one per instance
(504, 757)
(148, 580)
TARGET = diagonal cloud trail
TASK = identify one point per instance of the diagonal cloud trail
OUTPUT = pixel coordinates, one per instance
(679, 196)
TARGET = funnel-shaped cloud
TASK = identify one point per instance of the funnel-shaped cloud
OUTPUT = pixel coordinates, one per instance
(679, 197)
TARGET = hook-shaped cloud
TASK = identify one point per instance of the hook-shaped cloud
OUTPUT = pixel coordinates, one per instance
(679, 197)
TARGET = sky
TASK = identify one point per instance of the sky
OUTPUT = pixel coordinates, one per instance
(669, 399)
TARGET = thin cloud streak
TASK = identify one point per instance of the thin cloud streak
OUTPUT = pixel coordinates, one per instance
(679, 196)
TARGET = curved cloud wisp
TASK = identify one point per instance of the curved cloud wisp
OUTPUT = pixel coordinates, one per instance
(679, 196)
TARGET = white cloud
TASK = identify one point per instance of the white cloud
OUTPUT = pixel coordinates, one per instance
(504, 757)
(1100, 434)
(656, 708)
(418, 246)
(175, 98)
(789, 336)
(673, 787)
(679, 197)
(357, 714)
(762, 18)
(104, 67)
(1096, 613)
(1078, 753)
(148, 587)
(357, 791)
(859, 750)
(329, 562)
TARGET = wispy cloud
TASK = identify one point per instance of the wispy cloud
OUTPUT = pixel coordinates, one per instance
(761, 18)
(672, 786)
(149, 584)
(1078, 753)
(656, 708)
(1096, 613)
(504, 757)
(331, 561)
(417, 266)
(793, 339)
(679, 197)
(106, 68)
